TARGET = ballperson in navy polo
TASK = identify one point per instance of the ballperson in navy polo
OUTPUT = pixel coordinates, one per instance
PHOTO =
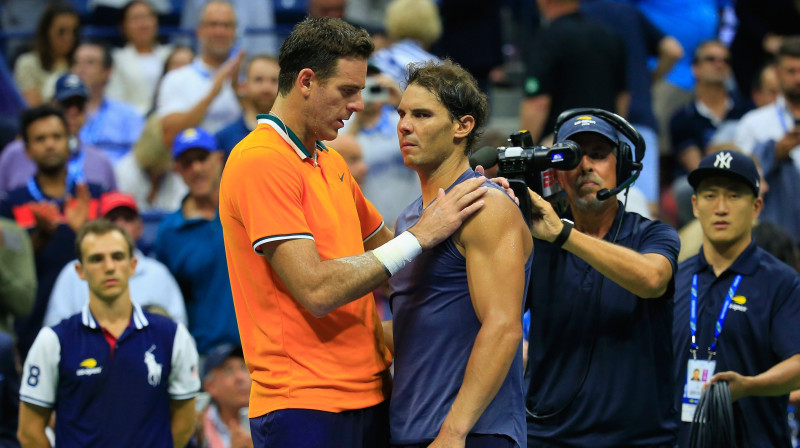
(115, 375)
(754, 344)
(600, 352)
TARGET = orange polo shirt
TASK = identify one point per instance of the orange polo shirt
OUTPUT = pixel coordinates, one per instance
(272, 190)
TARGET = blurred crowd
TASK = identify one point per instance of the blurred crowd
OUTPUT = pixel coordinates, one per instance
(128, 111)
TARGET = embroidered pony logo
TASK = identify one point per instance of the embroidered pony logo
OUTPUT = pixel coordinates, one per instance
(153, 368)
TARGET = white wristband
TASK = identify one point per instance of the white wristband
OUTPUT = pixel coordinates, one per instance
(398, 252)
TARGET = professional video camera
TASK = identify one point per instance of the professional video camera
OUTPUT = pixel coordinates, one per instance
(526, 165)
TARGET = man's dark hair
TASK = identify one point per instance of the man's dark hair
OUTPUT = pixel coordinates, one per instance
(758, 80)
(456, 89)
(706, 43)
(100, 227)
(777, 241)
(318, 43)
(790, 47)
(41, 40)
(37, 113)
(108, 58)
(130, 5)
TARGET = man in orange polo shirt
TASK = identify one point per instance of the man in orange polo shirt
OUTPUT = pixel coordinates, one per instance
(305, 248)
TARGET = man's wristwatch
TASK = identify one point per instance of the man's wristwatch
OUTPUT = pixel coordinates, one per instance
(565, 231)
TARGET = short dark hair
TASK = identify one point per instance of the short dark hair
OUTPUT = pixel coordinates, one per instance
(318, 43)
(703, 45)
(37, 113)
(108, 58)
(129, 5)
(41, 40)
(790, 47)
(258, 57)
(456, 89)
(100, 226)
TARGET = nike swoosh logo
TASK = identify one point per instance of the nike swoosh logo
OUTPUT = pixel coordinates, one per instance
(341, 177)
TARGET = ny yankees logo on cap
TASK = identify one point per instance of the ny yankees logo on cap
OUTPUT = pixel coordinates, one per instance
(723, 160)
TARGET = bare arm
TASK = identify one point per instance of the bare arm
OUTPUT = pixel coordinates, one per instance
(32, 422)
(497, 244)
(383, 236)
(324, 285)
(181, 420)
(174, 123)
(645, 275)
(533, 115)
(670, 51)
(781, 379)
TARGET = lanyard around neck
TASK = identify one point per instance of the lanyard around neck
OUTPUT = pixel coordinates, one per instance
(720, 320)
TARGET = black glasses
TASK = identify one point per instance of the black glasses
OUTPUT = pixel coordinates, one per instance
(78, 102)
(711, 58)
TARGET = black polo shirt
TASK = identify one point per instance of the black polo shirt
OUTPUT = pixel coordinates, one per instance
(762, 328)
(693, 126)
(597, 351)
(578, 62)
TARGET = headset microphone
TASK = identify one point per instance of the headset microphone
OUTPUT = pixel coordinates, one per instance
(605, 193)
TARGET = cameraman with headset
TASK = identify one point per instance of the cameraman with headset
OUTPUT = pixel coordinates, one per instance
(600, 354)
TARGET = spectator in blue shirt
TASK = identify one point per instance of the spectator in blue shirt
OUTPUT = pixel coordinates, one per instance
(190, 244)
(52, 206)
(111, 125)
(258, 93)
(755, 346)
(116, 375)
(71, 96)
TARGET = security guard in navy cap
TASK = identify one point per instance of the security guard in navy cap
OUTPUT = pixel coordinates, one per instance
(746, 329)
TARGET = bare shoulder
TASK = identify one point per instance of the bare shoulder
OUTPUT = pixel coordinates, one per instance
(499, 217)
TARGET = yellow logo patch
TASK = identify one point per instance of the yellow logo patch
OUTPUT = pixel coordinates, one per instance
(741, 300)
(89, 363)
(585, 117)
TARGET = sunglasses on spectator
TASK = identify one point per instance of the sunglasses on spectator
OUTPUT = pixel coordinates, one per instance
(78, 102)
(710, 58)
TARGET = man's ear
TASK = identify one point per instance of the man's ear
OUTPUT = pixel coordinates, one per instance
(79, 270)
(464, 126)
(304, 80)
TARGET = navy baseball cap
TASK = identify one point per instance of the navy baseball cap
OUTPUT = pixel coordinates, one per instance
(70, 85)
(587, 123)
(191, 138)
(727, 163)
(218, 355)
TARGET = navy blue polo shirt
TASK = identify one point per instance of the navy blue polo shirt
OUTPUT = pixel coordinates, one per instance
(762, 328)
(600, 358)
(690, 126)
(194, 252)
(51, 258)
(106, 397)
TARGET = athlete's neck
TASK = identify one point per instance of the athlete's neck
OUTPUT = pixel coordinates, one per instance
(596, 223)
(294, 118)
(112, 314)
(722, 255)
(442, 176)
(53, 183)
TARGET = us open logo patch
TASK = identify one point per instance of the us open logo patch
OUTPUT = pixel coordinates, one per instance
(737, 304)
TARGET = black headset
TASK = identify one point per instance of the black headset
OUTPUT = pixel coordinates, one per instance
(629, 162)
